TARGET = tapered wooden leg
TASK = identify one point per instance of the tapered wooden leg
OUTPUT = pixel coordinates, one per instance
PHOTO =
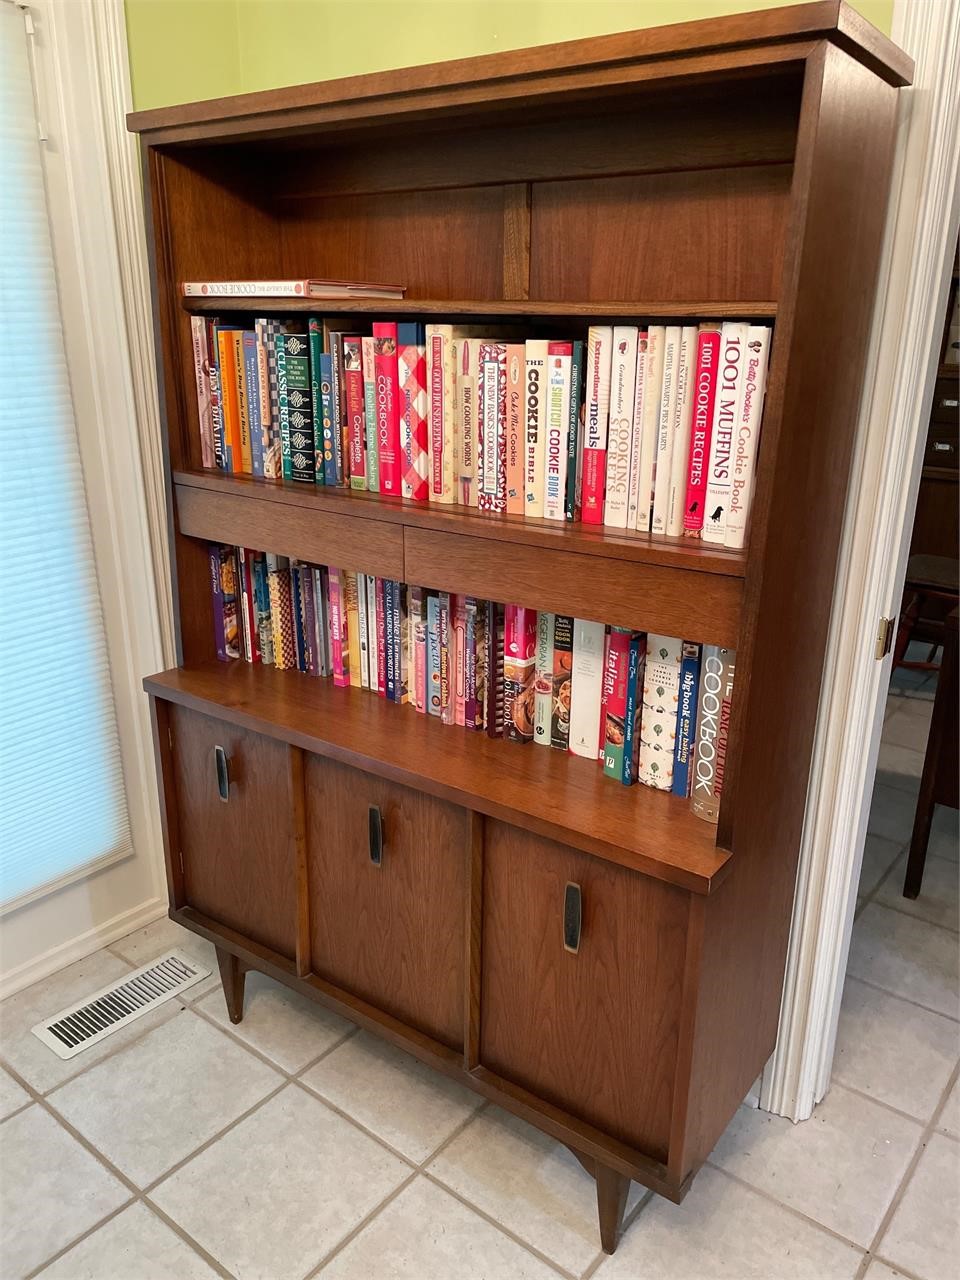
(233, 976)
(612, 1191)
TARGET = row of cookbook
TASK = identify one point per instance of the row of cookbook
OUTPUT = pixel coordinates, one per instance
(652, 427)
(648, 708)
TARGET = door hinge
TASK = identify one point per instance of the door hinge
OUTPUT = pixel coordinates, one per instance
(884, 638)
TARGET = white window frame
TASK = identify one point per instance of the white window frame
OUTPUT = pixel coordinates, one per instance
(91, 168)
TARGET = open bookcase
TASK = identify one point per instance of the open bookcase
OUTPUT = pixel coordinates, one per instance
(729, 168)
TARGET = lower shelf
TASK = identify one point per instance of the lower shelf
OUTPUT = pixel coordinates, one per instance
(559, 796)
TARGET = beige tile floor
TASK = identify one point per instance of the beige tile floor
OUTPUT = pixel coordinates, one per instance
(293, 1146)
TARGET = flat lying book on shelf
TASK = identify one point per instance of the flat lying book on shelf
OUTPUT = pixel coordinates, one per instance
(324, 289)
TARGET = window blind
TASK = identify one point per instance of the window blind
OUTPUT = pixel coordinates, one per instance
(62, 804)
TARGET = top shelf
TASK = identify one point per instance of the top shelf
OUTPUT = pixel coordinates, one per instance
(492, 307)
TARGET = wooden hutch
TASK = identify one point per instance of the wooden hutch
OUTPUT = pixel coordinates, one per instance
(736, 167)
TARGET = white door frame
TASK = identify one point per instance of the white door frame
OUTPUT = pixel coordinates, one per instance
(918, 249)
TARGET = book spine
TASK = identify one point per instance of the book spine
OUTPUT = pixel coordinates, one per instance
(433, 655)
(562, 673)
(284, 654)
(686, 719)
(701, 429)
(480, 665)
(389, 641)
(380, 606)
(665, 429)
(634, 708)
(283, 407)
(412, 374)
(246, 288)
(356, 423)
(493, 670)
(652, 385)
(297, 611)
(403, 643)
(371, 452)
(535, 429)
(388, 407)
(492, 389)
(623, 390)
(747, 439)
(261, 598)
(319, 389)
(543, 680)
(470, 663)
(201, 369)
(683, 420)
(327, 418)
(726, 414)
(713, 714)
(364, 631)
(571, 502)
(604, 696)
(338, 416)
(615, 679)
(299, 408)
(467, 463)
(636, 437)
(586, 687)
(373, 661)
(216, 398)
(447, 701)
(599, 355)
(272, 465)
(519, 672)
(440, 389)
(262, 340)
(341, 675)
(516, 370)
(237, 338)
(251, 377)
(559, 360)
(351, 606)
(251, 640)
(228, 400)
(658, 720)
(308, 606)
(321, 596)
(216, 594)
(418, 616)
(459, 649)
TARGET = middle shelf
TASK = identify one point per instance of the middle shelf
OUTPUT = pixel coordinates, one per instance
(673, 586)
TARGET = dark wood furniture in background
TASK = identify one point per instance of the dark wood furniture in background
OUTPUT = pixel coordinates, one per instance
(736, 167)
(940, 780)
(936, 522)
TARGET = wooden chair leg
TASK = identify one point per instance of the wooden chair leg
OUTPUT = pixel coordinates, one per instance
(233, 976)
(612, 1188)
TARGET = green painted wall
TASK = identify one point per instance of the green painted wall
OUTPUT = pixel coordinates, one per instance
(183, 50)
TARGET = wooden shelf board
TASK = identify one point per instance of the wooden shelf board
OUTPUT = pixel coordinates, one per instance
(554, 794)
(675, 553)
(454, 308)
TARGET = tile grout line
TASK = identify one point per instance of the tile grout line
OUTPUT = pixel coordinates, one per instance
(878, 1102)
(897, 1197)
(791, 1209)
(874, 986)
(136, 1193)
(361, 1225)
(500, 1226)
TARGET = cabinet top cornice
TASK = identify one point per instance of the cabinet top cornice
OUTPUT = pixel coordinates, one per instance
(575, 69)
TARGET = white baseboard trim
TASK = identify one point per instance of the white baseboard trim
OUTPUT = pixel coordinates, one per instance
(78, 948)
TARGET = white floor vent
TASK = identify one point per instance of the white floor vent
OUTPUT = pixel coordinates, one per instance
(72, 1030)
